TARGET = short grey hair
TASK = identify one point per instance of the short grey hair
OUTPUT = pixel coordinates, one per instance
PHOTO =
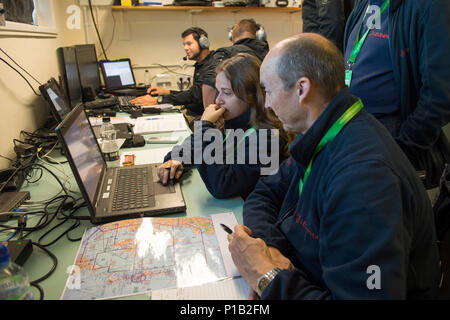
(317, 59)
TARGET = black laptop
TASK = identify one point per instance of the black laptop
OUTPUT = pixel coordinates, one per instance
(119, 78)
(57, 102)
(59, 108)
(113, 193)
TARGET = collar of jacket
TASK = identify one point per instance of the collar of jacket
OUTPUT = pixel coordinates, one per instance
(240, 122)
(198, 64)
(253, 43)
(393, 4)
(303, 146)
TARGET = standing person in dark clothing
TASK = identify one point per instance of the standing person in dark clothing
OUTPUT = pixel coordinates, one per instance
(240, 102)
(196, 46)
(327, 18)
(346, 216)
(402, 74)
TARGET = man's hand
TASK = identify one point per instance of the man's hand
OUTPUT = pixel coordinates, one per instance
(213, 113)
(158, 91)
(144, 101)
(171, 169)
(251, 256)
(281, 261)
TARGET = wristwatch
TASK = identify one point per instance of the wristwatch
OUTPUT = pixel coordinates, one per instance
(160, 99)
(265, 279)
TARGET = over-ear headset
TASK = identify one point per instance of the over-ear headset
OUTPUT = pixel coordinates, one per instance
(260, 34)
(199, 35)
(203, 42)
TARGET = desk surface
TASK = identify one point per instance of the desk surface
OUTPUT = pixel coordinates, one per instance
(199, 202)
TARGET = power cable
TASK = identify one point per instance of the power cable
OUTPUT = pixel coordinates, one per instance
(21, 76)
(96, 29)
(20, 66)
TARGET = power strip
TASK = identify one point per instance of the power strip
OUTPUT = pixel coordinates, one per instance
(11, 200)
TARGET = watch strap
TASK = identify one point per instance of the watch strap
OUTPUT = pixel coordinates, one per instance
(266, 279)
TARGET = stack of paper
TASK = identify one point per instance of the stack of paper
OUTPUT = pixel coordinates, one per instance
(155, 155)
(160, 123)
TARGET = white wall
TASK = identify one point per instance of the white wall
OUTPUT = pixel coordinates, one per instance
(20, 109)
(152, 37)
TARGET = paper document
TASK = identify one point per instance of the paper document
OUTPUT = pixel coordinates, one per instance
(161, 123)
(147, 156)
(98, 121)
(136, 256)
(230, 221)
(227, 289)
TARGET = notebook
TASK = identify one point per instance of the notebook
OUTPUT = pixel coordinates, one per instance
(113, 193)
(119, 78)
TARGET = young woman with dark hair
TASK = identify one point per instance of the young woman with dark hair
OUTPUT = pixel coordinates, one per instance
(240, 104)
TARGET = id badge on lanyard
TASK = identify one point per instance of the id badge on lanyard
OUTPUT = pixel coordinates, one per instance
(348, 77)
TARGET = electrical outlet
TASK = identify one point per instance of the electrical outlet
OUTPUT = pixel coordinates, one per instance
(163, 80)
(183, 81)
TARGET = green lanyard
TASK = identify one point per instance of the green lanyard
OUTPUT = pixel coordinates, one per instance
(246, 134)
(359, 43)
(330, 135)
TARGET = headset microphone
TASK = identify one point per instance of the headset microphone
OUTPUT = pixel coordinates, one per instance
(185, 58)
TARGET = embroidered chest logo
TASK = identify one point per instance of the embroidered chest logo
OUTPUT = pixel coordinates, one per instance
(301, 221)
(378, 34)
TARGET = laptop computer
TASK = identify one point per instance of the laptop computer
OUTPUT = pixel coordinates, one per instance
(59, 108)
(113, 193)
(119, 78)
(57, 102)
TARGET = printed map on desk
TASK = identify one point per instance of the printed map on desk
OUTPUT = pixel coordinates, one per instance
(135, 256)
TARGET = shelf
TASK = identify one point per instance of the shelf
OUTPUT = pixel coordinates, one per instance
(204, 8)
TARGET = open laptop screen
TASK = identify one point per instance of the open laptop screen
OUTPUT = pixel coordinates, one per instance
(85, 153)
(117, 73)
(55, 98)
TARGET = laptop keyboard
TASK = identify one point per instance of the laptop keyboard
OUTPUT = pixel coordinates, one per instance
(134, 189)
(124, 101)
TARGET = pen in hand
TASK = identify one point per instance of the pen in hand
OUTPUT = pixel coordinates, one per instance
(227, 230)
(178, 168)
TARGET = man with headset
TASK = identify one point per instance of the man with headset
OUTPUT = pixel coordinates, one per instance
(247, 37)
(248, 34)
(196, 46)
